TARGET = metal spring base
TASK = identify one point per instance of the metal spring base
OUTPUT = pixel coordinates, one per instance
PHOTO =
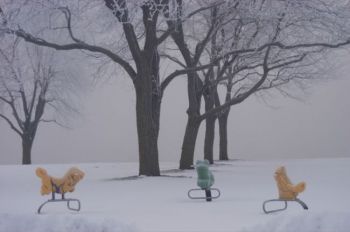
(69, 200)
(285, 205)
(208, 192)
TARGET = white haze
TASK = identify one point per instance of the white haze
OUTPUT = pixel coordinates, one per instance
(284, 128)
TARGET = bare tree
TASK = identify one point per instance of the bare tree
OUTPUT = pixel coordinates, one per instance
(141, 24)
(296, 74)
(283, 33)
(145, 25)
(32, 91)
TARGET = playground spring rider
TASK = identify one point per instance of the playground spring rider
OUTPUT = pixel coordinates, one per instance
(205, 181)
(287, 191)
(60, 186)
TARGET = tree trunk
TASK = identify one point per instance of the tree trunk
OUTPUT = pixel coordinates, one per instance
(193, 122)
(189, 142)
(194, 87)
(27, 144)
(209, 139)
(223, 135)
(147, 131)
(210, 126)
(148, 102)
(209, 94)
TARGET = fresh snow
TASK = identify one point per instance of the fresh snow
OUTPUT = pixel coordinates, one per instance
(60, 223)
(115, 199)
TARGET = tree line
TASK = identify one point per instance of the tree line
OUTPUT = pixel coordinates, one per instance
(229, 50)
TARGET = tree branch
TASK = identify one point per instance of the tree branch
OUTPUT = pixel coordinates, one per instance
(285, 47)
(170, 77)
(55, 122)
(203, 9)
(174, 59)
(165, 35)
(24, 103)
(246, 67)
(201, 45)
(120, 11)
(170, 30)
(5, 100)
(32, 102)
(289, 62)
(75, 46)
(11, 125)
(13, 108)
(68, 16)
(241, 97)
(2, 16)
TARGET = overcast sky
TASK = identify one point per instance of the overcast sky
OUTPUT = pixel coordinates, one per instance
(317, 127)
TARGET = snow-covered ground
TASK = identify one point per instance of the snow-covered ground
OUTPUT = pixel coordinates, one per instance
(114, 199)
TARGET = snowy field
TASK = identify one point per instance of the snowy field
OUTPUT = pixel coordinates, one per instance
(114, 199)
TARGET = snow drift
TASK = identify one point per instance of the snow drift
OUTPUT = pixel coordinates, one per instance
(113, 199)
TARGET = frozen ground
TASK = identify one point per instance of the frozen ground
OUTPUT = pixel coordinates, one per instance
(114, 199)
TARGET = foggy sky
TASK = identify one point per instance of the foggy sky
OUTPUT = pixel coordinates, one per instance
(317, 127)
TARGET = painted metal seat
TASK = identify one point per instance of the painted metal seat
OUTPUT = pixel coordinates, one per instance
(205, 181)
(288, 192)
(60, 186)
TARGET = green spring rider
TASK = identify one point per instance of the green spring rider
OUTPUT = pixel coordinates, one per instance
(205, 181)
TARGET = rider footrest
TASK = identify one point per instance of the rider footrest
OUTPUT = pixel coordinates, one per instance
(285, 205)
(208, 193)
(68, 200)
